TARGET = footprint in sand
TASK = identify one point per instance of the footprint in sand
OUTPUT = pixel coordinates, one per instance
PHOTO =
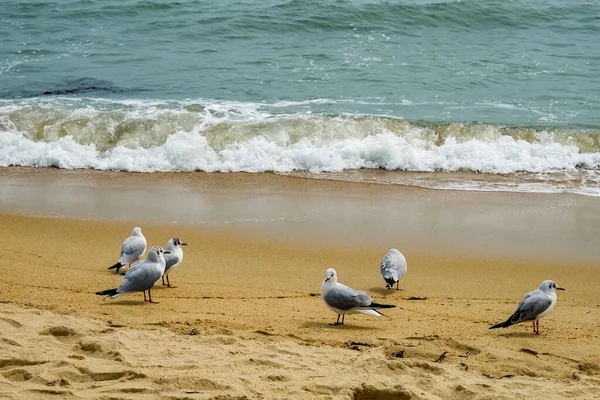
(58, 331)
(12, 322)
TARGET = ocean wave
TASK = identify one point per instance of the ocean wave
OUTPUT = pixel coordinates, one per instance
(211, 136)
(467, 15)
(301, 15)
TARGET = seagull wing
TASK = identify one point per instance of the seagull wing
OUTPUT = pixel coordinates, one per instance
(533, 304)
(344, 298)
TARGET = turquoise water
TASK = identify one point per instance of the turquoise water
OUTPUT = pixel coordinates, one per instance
(495, 87)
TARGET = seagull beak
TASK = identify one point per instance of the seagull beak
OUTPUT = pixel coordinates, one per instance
(167, 252)
(184, 244)
(560, 288)
(327, 279)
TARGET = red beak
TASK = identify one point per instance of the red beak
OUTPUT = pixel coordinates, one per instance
(560, 288)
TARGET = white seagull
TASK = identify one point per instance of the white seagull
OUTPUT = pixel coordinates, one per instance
(173, 257)
(132, 249)
(343, 300)
(535, 305)
(141, 277)
(393, 267)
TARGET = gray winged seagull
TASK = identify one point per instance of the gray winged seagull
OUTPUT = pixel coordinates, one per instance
(173, 257)
(393, 267)
(535, 305)
(141, 277)
(132, 249)
(343, 300)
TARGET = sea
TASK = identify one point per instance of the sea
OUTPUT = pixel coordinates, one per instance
(464, 94)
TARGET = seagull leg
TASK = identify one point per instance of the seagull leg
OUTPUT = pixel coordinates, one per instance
(145, 296)
(537, 326)
(397, 284)
(163, 279)
(169, 283)
(150, 296)
(343, 316)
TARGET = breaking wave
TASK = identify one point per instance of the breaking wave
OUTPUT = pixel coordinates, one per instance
(210, 136)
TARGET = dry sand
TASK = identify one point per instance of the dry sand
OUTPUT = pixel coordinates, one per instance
(245, 320)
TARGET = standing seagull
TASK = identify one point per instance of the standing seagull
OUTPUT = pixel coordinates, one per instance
(535, 305)
(141, 277)
(393, 267)
(132, 249)
(173, 257)
(343, 300)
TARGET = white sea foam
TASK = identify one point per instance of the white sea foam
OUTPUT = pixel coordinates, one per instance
(151, 136)
(189, 151)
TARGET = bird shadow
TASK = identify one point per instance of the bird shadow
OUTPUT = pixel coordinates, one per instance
(124, 303)
(520, 334)
(383, 291)
(326, 325)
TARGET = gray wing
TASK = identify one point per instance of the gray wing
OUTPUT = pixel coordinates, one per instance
(133, 247)
(170, 260)
(532, 305)
(344, 298)
(138, 279)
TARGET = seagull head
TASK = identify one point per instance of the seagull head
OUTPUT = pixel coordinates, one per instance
(549, 286)
(175, 242)
(330, 276)
(155, 254)
(137, 231)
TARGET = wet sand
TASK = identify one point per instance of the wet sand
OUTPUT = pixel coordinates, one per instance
(513, 225)
(245, 318)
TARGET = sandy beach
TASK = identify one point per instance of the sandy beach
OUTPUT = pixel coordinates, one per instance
(245, 319)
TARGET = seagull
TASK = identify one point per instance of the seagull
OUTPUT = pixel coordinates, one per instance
(141, 277)
(393, 267)
(174, 259)
(132, 249)
(343, 300)
(535, 305)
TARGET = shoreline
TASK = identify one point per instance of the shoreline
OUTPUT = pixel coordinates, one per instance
(498, 224)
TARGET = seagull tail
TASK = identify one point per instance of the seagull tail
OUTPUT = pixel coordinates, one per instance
(117, 266)
(504, 324)
(376, 305)
(373, 309)
(374, 313)
(390, 281)
(109, 293)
